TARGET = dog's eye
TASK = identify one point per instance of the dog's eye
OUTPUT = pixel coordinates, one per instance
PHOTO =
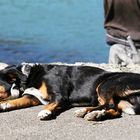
(11, 78)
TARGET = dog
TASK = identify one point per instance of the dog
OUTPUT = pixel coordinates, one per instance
(103, 94)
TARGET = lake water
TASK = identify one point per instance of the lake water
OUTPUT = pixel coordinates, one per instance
(52, 30)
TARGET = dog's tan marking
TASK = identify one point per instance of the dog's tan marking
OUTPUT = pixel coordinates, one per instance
(101, 100)
(129, 92)
(97, 89)
(126, 107)
(22, 102)
(52, 106)
(3, 93)
(111, 113)
(43, 89)
(123, 104)
(2, 89)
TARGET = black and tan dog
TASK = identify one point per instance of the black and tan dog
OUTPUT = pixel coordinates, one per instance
(60, 87)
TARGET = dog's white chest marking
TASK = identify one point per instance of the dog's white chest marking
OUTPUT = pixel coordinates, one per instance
(36, 93)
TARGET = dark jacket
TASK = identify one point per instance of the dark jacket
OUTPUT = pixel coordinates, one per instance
(122, 18)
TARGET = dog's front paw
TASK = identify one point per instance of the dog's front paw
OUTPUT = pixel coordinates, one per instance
(95, 115)
(5, 106)
(44, 114)
(80, 112)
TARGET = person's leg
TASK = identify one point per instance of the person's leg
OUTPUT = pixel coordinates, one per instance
(136, 57)
(113, 54)
(119, 54)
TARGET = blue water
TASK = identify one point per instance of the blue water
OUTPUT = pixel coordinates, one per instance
(52, 30)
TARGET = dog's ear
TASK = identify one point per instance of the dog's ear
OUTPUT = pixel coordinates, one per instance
(12, 74)
(25, 68)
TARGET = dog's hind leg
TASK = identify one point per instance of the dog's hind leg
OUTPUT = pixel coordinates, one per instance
(23, 102)
(100, 115)
(105, 110)
(103, 105)
(126, 107)
(83, 111)
(110, 112)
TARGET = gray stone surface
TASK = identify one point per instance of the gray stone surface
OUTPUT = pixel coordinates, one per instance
(24, 125)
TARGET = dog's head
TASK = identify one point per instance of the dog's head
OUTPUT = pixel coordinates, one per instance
(12, 82)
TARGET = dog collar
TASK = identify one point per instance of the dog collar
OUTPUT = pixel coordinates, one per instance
(36, 93)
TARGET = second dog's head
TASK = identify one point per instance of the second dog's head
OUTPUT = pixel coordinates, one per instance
(12, 82)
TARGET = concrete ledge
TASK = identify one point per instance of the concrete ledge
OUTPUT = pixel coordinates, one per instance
(109, 67)
(130, 68)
